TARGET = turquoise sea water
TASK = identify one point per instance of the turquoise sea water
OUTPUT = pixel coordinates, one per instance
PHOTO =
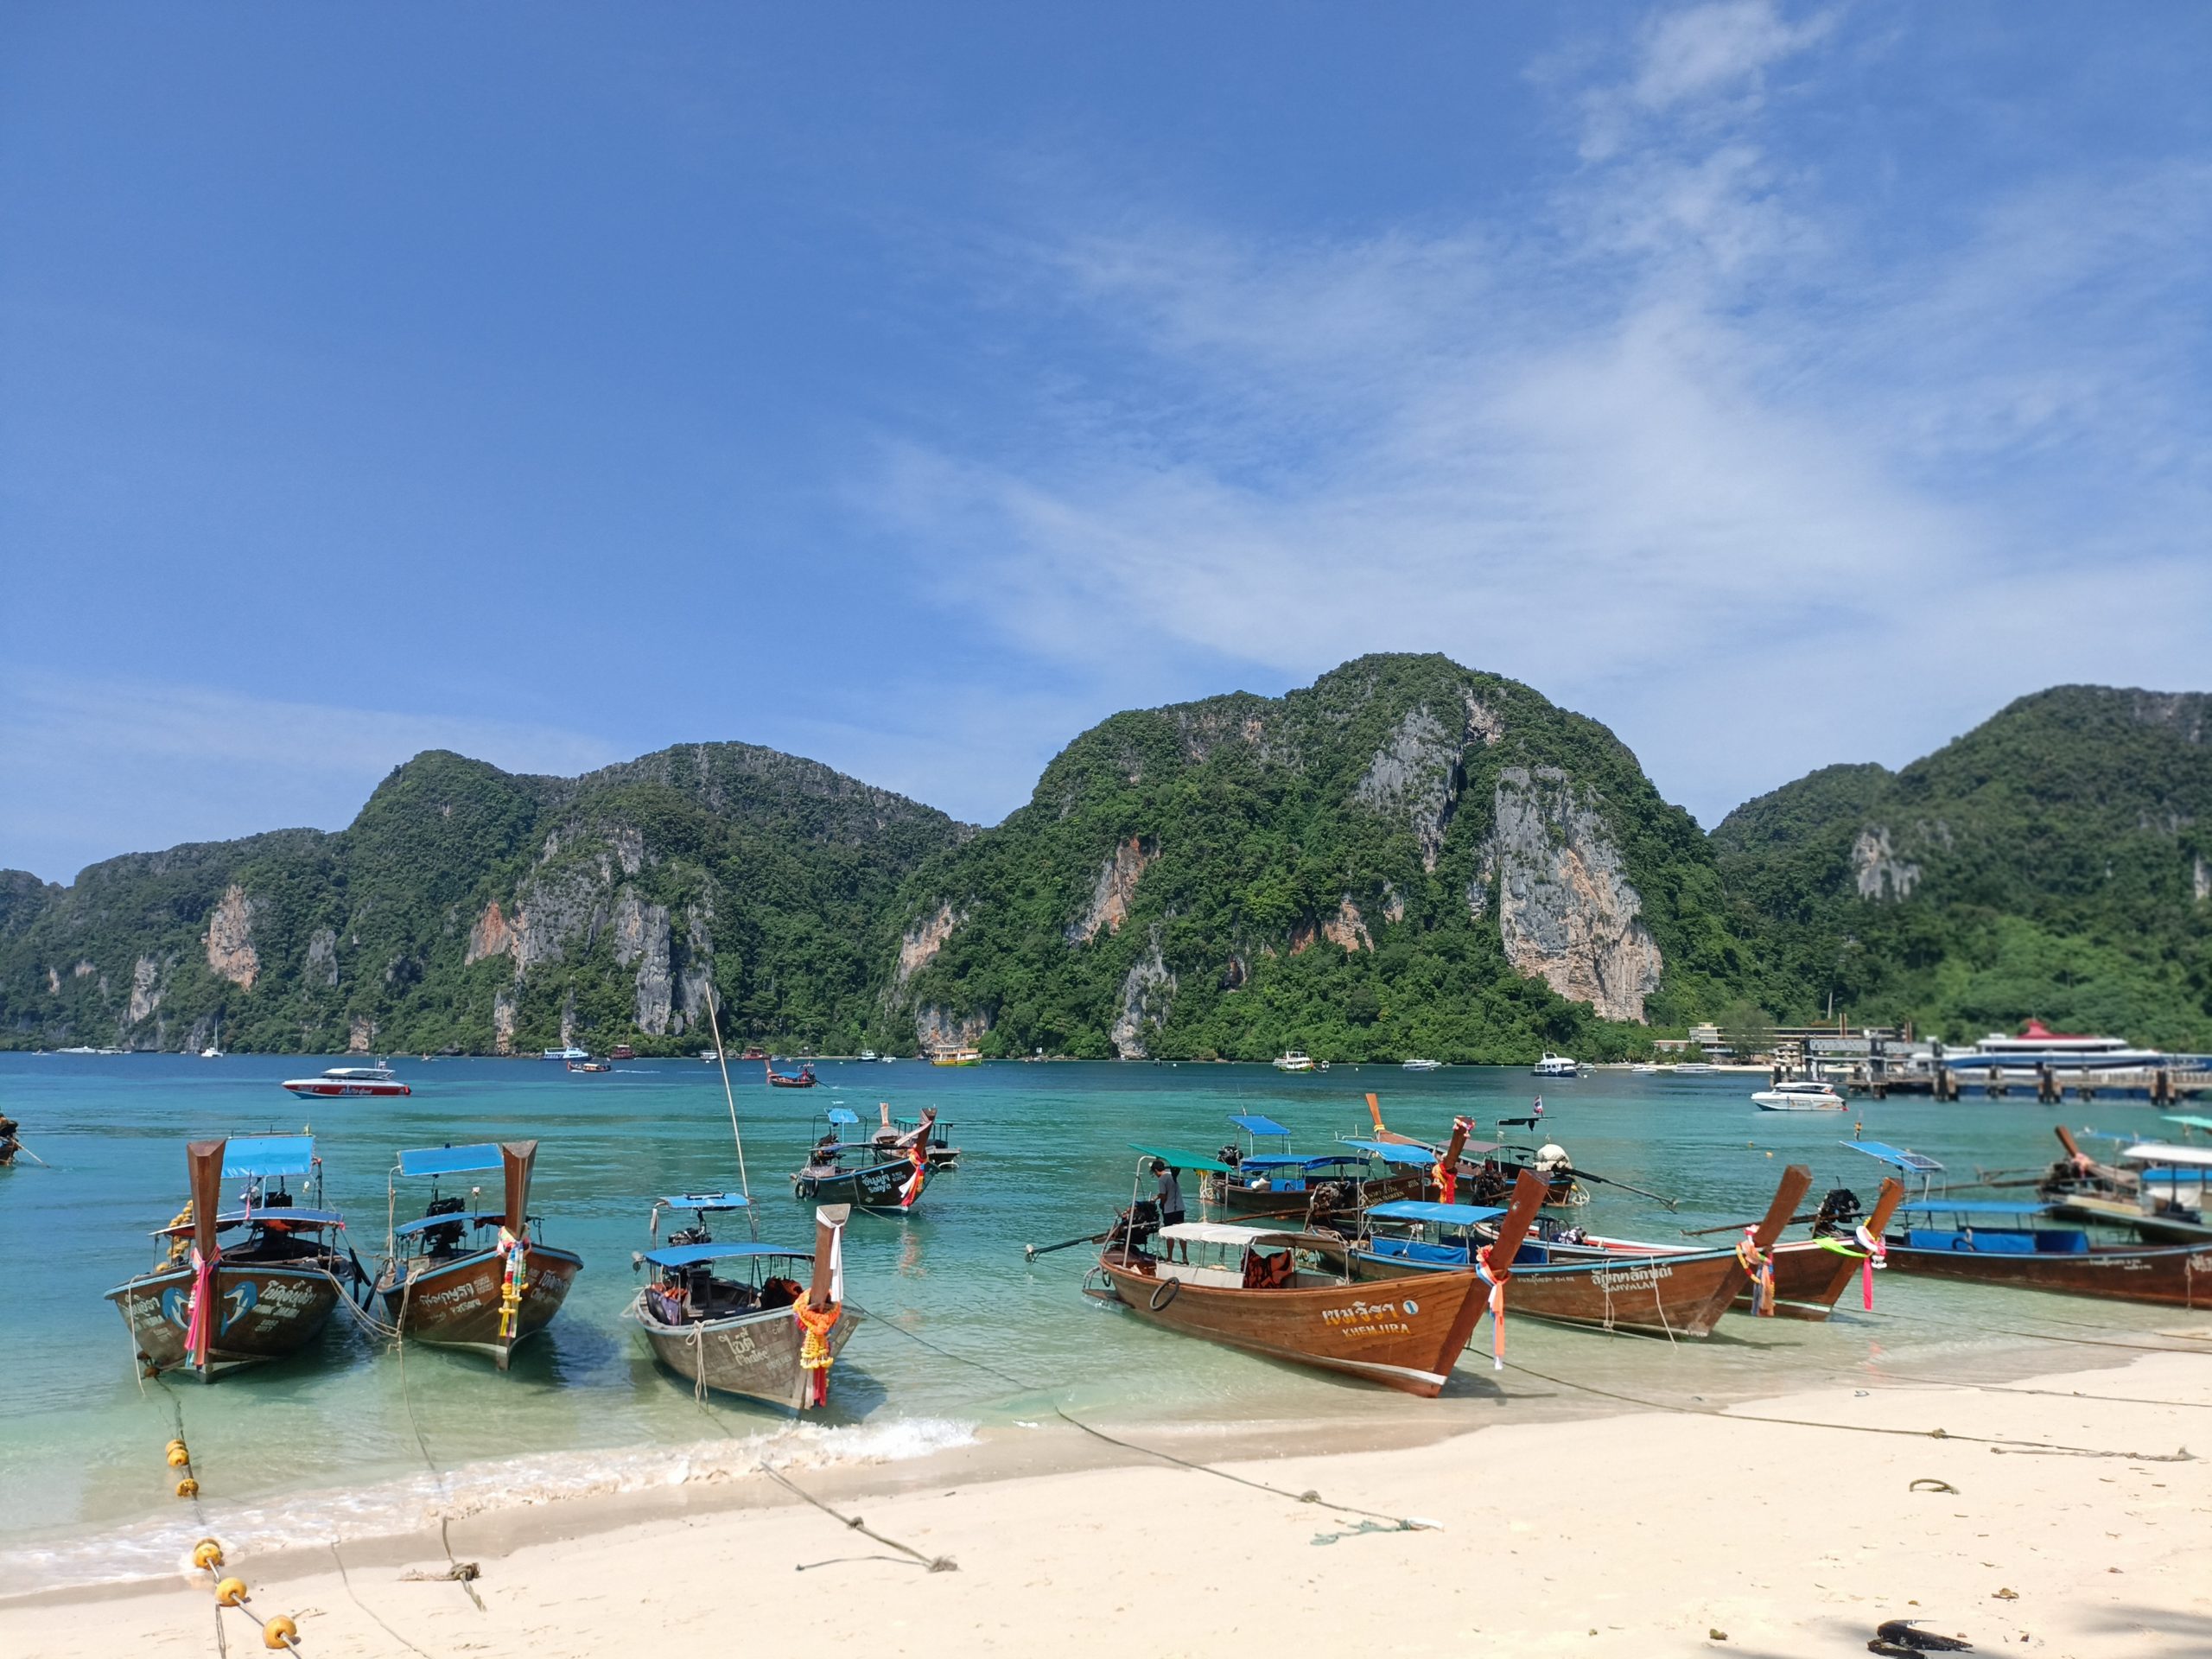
(330, 1440)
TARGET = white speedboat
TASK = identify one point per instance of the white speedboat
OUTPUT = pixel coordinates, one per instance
(1555, 1065)
(867, 1056)
(1422, 1065)
(344, 1082)
(570, 1053)
(1293, 1060)
(1804, 1096)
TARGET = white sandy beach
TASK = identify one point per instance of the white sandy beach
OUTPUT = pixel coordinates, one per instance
(1642, 1534)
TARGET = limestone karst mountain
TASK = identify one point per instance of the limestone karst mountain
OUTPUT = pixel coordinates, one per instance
(1406, 857)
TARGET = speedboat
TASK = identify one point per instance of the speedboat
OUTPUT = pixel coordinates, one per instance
(1421, 1066)
(1808, 1095)
(343, 1081)
(567, 1051)
(1555, 1065)
(1294, 1060)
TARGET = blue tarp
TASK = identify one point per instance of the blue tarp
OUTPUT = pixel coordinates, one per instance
(705, 1201)
(280, 1212)
(1253, 1123)
(1915, 1163)
(1285, 1161)
(449, 1161)
(1974, 1207)
(688, 1256)
(422, 1223)
(1446, 1215)
(266, 1155)
(1391, 1151)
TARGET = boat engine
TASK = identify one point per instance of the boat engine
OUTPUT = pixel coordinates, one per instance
(1839, 1213)
(1134, 1227)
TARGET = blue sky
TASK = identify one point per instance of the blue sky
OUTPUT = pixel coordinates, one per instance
(911, 387)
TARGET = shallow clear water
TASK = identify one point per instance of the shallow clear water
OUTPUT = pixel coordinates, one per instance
(333, 1434)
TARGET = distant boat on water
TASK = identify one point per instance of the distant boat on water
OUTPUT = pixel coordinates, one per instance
(214, 1049)
(1555, 1065)
(956, 1054)
(569, 1053)
(1421, 1066)
(1294, 1060)
(344, 1082)
(1799, 1096)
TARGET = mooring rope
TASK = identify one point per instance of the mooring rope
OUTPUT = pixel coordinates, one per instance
(347, 1579)
(2043, 1447)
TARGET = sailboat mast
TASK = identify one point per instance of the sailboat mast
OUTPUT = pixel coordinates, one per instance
(721, 1058)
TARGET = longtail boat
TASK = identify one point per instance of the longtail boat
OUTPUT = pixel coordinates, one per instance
(254, 1284)
(1478, 1175)
(441, 1286)
(2001, 1241)
(802, 1079)
(2158, 1189)
(1809, 1274)
(10, 1142)
(883, 1179)
(1678, 1294)
(1291, 1296)
(765, 1336)
(929, 1130)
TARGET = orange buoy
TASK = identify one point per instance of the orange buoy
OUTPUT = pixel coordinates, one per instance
(187, 1487)
(278, 1632)
(206, 1553)
(179, 1457)
(231, 1593)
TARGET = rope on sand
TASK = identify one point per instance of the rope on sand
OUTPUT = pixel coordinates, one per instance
(1398, 1522)
(2042, 1448)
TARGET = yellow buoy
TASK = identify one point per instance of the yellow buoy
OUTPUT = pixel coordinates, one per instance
(278, 1632)
(231, 1593)
(187, 1487)
(206, 1553)
(179, 1457)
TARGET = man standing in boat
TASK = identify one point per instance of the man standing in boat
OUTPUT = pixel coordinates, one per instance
(1170, 1193)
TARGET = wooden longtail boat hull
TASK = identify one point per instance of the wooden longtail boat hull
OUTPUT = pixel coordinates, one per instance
(878, 1187)
(754, 1355)
(2178, 1275)
(455, 1303)
(263, 1312)
(1682, 1295)
(1406, 1340)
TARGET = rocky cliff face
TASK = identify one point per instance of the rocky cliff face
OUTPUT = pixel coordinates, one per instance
(1566, 910)
(469, 908)
(1357, 868)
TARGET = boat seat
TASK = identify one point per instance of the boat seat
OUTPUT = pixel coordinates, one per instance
(1190, 1273)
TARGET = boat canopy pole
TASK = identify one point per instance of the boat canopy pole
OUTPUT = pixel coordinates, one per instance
(744, 1185)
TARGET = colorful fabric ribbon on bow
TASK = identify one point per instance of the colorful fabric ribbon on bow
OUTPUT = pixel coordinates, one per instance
(1495, 1277)
(1878, 1256)
(912, 1189)
(1760, 1265)
(512, 1281)
(199, 1322)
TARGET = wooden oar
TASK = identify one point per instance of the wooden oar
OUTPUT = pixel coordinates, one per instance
(1031, 1252)
(1607, 1180)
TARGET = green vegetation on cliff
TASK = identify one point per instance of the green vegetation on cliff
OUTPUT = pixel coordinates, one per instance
(2056, 861)
(471, 909)
(1408, 857)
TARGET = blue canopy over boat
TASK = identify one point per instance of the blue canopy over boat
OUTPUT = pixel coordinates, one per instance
(1914, 1163)
(689, 1255)
(265, 1155)
(1392, 1151)
(449, 1161)
(2188, 1121)
(1175, 1159)
(1292, 1161)
(1253, 1123)
(1974, 1207)
(423, 1224)
(1444, 1214)
(282, 1212)
(841, 1115)
(704, 1201)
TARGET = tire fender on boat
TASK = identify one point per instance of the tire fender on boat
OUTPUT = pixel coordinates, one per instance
(1164, 1292)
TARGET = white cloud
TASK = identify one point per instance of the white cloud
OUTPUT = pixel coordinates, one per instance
(1686, 453)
